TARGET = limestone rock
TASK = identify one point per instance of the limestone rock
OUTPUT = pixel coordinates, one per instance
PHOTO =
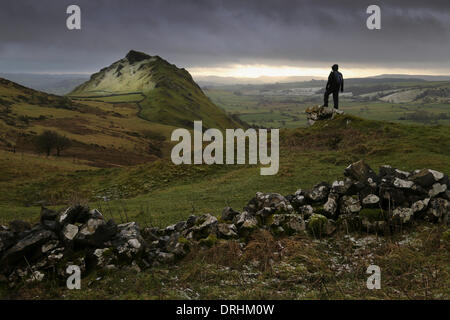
(437, 189)
(331, 206)
(245, 222)
(69, 232)
(288, 223)
(388, 171)
(420, 205)
(361, 172)
(318, 193)
(26, 247)
(402, 215)
(317, 113)
(426, 177)
(272, 200)
(204, 226)
(228, 214)
(96, 232)
(438, 209)
(371, 201)
(350, 205)
(128, 241)
(227, 231)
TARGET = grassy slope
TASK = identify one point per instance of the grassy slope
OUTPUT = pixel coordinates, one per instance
(308, 155)
(103, 134)
(414, 264)
(177, 99)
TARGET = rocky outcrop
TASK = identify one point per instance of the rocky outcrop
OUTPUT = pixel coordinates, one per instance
(317, 113)
(386, 202)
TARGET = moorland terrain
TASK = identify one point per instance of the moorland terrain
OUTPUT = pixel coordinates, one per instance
(119, 123)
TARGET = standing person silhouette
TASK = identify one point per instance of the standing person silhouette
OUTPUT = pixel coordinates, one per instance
(334, 84)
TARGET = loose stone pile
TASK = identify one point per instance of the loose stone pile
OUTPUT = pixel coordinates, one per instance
(363, 200)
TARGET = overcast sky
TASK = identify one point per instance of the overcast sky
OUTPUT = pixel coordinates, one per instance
(210, 36)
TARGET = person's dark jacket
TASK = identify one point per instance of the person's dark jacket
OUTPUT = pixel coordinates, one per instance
(335, 81)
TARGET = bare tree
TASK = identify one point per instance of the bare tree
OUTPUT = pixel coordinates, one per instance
(48, 140)
(62, 142)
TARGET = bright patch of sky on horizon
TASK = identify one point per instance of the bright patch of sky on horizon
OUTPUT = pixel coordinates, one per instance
(265, 70)
(256, 71)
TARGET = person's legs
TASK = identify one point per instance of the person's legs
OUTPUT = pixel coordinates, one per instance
(325, 98)
(336, 99)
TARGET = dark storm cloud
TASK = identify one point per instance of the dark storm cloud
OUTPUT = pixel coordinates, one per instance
(33, 36)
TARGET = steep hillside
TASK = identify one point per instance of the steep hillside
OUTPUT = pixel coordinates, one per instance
(101, 134)
(130, 74)
(170, 94)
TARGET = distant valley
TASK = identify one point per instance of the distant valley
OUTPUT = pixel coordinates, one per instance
(275, 105)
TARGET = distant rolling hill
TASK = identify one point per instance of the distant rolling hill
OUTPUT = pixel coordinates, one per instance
(221, 81)
(51, 83)
(170, 95)
(410, 76)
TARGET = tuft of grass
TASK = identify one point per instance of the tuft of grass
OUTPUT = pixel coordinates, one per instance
(317, 224)
(372, 215)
